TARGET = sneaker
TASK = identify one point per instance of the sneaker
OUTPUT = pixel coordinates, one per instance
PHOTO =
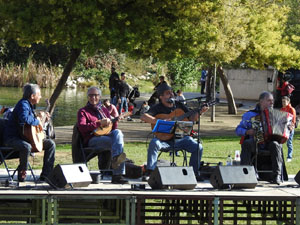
(118, 179)
(288, 160)
(117, 160)
(147, 175)
(21, 175)
(129, 119)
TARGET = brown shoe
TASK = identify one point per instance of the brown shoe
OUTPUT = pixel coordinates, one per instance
(117, 160)
(21, 175)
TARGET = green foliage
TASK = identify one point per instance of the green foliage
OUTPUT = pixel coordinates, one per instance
(138, 28)
(12, 53)
(183, 71)
(292, 30)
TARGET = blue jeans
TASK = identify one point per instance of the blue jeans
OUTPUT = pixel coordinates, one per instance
(113, 141)
(289, 144)
(113, 101)
(187, 143)
(122, 104)
(24, 149)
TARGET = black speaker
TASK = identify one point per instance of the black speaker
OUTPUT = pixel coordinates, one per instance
(233, 177)
(70, 175)
(297, 177)
(165, 177)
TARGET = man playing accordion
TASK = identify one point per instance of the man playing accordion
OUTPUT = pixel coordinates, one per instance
(249, 138)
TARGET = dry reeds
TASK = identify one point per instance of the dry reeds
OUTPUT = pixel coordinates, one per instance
(16, 76)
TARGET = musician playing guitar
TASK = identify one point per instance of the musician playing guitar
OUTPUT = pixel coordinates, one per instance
(92, 117)
(22, 116)
(245, 130)
(167, 109)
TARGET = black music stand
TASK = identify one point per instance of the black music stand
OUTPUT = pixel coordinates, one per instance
(167, 127)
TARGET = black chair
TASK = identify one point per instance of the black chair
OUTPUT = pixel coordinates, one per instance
(263, 165)
(7, 153)
(172, 151)
(82, 154)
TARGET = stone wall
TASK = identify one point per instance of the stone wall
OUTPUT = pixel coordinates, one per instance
(248, 83)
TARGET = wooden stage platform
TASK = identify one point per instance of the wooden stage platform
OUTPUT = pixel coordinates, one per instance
(107, 203)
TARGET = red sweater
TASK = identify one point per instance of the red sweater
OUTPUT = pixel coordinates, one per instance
(88, 121)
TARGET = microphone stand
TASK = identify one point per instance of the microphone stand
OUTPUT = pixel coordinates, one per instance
(198, 139)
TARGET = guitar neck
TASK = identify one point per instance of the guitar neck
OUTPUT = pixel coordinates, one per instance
(43, 119)
(188, 114)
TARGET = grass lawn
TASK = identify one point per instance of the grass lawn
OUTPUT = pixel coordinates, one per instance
(216, 149)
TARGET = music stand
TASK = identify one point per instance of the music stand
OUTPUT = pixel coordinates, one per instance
(167, 127)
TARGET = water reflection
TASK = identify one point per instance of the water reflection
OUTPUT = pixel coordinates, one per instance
(67, 105)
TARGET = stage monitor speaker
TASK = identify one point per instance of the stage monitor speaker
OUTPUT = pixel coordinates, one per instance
(166, 177)
(70, 175)
(297, 177)
(225, 177)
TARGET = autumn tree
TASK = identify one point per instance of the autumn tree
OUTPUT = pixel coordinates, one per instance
(139, 28)
(249, 32)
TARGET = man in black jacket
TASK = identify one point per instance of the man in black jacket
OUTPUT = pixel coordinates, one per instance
(122, 94)
(113, 81)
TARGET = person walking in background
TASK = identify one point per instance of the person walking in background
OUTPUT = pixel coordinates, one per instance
(203, 80)
(287, 107)
(122, 94)
(113, 81)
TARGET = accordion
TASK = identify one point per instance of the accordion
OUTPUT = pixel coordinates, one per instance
(275, 125)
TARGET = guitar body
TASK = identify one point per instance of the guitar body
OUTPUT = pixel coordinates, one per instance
(172, 116)
(35, 136)
(100, 131)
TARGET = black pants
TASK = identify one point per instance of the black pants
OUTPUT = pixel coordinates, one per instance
(248, 151)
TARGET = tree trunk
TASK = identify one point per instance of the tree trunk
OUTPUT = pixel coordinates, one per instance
(231, 103)
(67, 70)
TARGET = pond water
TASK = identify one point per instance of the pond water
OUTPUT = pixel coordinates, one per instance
(67, 105)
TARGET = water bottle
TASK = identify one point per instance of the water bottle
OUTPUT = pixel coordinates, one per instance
(237, 156)
(229, 161)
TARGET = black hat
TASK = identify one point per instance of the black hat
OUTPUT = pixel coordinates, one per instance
(162, 88)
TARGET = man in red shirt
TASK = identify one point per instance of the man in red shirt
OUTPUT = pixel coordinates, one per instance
(286, 107)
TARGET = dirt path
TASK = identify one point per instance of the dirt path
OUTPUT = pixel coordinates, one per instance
(137, 131)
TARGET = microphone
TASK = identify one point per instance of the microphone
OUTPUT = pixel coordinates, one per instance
(171, 100)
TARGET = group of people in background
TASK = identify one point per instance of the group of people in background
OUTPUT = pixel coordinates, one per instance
(96, 114)
(119, 91)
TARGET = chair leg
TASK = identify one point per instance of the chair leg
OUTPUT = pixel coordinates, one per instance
(32, 173)
(184, 158)
(6, 167)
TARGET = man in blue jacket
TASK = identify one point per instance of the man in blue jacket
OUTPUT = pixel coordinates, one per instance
(23, 114)
(245, 130)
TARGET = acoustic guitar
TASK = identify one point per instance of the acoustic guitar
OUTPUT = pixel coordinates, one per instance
(177, 115)
(100, 131)
(35, 134)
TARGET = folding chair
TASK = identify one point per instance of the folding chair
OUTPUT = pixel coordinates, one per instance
(82, 154)
(263, 165)
(7, 153)
(173, 152)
